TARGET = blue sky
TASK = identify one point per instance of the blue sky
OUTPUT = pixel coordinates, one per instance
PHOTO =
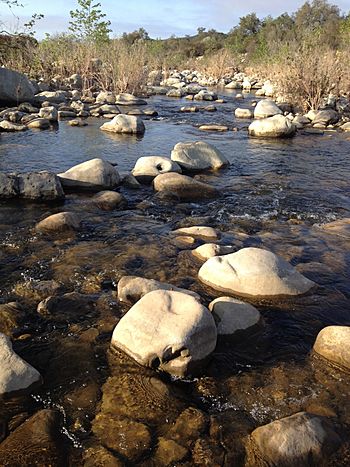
(159, 17)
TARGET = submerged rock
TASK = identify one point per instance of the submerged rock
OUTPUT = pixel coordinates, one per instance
(11, 315)
(303, 440)
(253, 271)
(333, 343)
(277, 126)
(198, 156)
(15, 373)
(92, 175)
(109, 200)
(147, 168)
(128, 438)
(202, 232)
(37, 442)
(168, 330)
(218, 128)
(339, 227)
(60, 222)
(183, 187)
(266, 108)
(232, 315)
(132, 288)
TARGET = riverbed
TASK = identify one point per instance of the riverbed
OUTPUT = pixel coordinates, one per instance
(275, 194)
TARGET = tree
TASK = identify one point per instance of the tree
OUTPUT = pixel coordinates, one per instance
(139, 35)
(88, 24)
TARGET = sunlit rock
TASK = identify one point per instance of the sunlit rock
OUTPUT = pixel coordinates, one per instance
(168, 330)
(198, 156)
(253, 271)
(15, 373)
(94, 175)
(132, 288)
(277, 126)
(243, 113)
(124, 124)
(209, 250)
(232, 315)
(183, 187)
(303, 440)
(266, 108)
(148, 167)
(333, 343)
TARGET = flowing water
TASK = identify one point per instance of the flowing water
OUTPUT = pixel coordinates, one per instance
(275, 194)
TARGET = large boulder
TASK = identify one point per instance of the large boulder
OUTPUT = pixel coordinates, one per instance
(132, 288)
(253, 271)
(183, 187)
(15, 373)
(40, 186)
(93, 175)
(148, 167)
(266, 108)
(333, 343)
(14, 87)
(277, 126)
(168, 330)
(303, 440)
(325, 117)
(198, 156)
(128, 99)
(125, 124)
(232, 315)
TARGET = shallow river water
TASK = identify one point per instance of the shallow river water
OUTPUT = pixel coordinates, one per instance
(275, 194)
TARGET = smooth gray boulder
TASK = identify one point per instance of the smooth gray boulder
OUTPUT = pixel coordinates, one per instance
(93, 175)
(325, 117)
(148, 167)
(168, 330)
(54, 97)
(40, 186)
(333, 343)
(128, 99)
(232, 315)
(183, 187)
(15, 373)
(60, 222)
(266, 108)
(277, 126)
(303, 440)
(198, 156)
(253, 271)
(132, 288)
(125, 124)
(15, 87)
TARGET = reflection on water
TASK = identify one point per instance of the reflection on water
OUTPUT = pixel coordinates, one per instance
(273, 195)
